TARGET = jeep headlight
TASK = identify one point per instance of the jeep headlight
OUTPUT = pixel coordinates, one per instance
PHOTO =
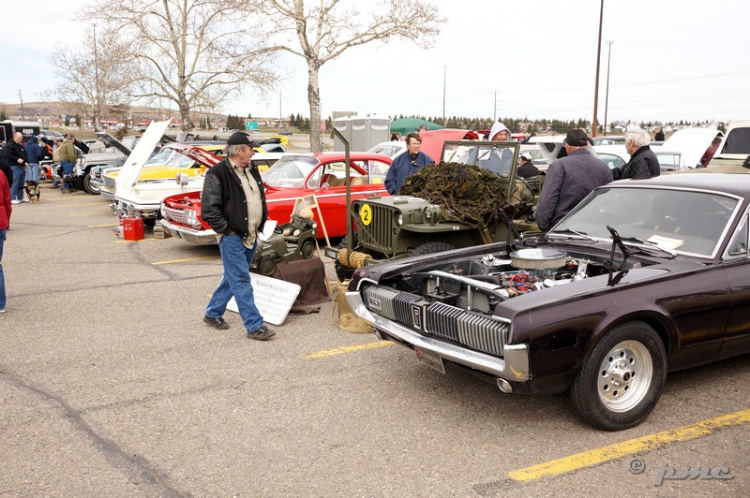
(399, 219)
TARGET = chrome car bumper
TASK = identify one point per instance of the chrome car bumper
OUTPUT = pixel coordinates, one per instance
(513, 366)
(123, 209)
(200, 237)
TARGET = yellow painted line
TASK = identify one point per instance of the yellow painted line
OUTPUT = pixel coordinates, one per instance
(646, 443)
(183, 260)
(108, 225)
(348, 349)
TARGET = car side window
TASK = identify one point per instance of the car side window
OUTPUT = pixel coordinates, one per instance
(739, 244)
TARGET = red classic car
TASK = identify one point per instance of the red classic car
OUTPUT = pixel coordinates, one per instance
(291, 177)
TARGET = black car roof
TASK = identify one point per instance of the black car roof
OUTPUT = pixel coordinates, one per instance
(735, 184)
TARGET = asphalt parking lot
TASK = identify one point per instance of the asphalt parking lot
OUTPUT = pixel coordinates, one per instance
(110, 385)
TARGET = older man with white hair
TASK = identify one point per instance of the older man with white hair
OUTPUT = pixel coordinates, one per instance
(643, 162)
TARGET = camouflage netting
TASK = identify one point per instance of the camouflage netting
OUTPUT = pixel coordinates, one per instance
(467, 194)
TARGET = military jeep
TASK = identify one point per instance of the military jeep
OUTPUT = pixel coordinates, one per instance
(403, 225)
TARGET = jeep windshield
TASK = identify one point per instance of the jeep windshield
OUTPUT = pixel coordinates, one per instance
(499, 157)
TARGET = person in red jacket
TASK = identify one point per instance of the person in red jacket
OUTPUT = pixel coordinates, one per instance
(5, 210)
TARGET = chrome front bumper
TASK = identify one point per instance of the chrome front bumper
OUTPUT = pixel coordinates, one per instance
(126, 209)
(513, 366)
(200, 237)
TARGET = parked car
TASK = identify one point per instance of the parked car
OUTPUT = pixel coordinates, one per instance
(117, 151)
(642, 278)
(735, 146)
(684, 148)
(613, 156)
(291, 177)
(165, 163)
(390, 149)
(609, 140)
(286, 133)
(143, 199)
(51, 135)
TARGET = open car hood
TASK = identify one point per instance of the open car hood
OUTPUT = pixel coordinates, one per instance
(131, 170)
(691, 143)
(110, 141)
(194, 152)
(432, 141)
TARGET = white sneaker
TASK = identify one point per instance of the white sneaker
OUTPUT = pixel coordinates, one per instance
(2, 311)
(25, 200)
(15, 201)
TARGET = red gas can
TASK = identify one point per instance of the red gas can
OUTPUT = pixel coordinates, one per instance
(132, 228)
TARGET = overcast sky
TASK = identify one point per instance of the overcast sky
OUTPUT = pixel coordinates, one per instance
(671, 60)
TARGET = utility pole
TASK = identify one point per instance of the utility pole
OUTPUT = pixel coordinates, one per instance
(23, 113)
(98, 102)
(494, 112)
(598, 58)
(606, 99)
(445, 68)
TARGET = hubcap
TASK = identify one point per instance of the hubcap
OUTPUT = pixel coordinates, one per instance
(625, 376)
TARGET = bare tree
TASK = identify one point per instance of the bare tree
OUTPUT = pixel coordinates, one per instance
(94, 77)
(325, 29)
(196, 53)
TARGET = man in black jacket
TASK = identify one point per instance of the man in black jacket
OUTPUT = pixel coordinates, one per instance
(233, 203)
(16, 157)
(643, 162)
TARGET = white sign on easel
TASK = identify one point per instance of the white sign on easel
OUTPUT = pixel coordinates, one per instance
(273, 297)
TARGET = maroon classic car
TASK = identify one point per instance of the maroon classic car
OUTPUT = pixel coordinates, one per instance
(642, 278)
(291, 177)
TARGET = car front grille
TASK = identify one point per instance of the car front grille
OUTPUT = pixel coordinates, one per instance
(468, 328)
(378, 234)
(176, 215)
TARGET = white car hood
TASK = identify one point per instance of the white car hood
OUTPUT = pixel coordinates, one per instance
(131, 170)
(691, 143)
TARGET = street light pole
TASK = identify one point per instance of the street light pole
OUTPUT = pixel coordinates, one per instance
(598, 58)
(444, 77)
(606, 99)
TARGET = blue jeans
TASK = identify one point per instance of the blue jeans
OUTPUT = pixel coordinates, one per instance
(67, 168)
(19, 176)
(236, 259)
(33, 175)
(2, 275)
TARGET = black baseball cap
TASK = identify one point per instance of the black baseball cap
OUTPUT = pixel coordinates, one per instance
(576, 138)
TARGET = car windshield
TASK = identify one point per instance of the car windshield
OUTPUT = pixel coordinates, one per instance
(685, 221)
(163, 156)
(487, 155)
(289, 171)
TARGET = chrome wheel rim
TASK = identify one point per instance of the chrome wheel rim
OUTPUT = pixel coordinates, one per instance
(625, 376)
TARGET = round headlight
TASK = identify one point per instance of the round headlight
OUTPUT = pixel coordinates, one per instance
(190, 217)
(399, 219)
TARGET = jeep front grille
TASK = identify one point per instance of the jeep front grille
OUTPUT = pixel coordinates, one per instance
(378, 235)
(468, 328)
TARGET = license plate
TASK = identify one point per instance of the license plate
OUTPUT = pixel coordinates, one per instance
(331, 253)
(430, 359)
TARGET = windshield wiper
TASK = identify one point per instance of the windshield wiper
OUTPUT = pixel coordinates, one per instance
(650, 243)
(569, 231)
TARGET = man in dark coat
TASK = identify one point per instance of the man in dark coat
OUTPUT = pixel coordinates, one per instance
(15, 154)
(659, 135)
(643, 162)
(569, 180)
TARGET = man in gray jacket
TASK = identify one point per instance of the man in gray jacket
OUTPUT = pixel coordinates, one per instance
(569, 180)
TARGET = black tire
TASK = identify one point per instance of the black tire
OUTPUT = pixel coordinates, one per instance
(432, 248)
(87, 185)
(308, 249)
(149, 222)
(622, 379)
